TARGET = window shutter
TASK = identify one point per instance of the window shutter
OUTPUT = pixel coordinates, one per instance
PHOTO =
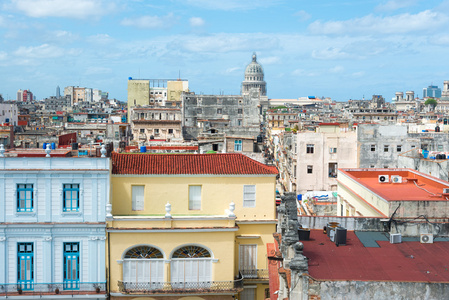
(249, 196)
(138, 201)
(195, 197)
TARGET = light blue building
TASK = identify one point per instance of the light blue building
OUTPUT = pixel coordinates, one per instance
(52, 227)
(432, 91)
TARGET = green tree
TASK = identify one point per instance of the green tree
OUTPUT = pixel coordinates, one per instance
(432, 102)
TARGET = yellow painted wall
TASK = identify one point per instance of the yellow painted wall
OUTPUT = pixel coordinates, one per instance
(221, 244)
(265, 231)
(217, 194)
(175, 89)
(138, 94)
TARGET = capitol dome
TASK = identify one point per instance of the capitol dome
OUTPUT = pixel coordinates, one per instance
(254, 77)
(254, 68)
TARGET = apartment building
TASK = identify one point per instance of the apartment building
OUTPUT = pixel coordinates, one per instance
(52, 227)
(186, 225)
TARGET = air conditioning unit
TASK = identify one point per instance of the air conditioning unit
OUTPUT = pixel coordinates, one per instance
(396, 179)
(426, 238)
(445, 191)
(383, 178)
(395, 238)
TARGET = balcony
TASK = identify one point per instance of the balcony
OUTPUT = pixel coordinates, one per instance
(206, 287)
(56, 288)
(255, 274)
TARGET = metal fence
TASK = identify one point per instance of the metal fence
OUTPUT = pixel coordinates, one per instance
(255, 274)
(37, 289)
(180, 287)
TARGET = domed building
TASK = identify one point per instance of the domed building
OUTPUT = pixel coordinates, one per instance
(254, 78)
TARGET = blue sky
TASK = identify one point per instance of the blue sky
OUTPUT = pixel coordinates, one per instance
(338, 49)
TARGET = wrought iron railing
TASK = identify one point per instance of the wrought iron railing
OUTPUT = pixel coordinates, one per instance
(38, 289)
(180, 287)
(255, 274)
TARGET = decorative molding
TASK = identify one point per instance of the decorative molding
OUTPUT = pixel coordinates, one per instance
(2, 238)
(47, 238)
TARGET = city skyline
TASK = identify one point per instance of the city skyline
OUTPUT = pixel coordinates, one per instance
(343, 50)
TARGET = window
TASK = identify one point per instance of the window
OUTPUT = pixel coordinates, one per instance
(238, 145)
(309, 169)
(144, 265)
(240, 111)
(25, 266)
(142, 130)
(71, 197)
(191, 267)
(138, 199)
(195, 197)
(373, 148)
(25, 197)
(440, 147)
(71, 266)
(249, 196)
(248, 260)
(199, 110)
(156, 131)
(386, 148)
(332, 150)
(170, 131)
(310, 148)
(399, 148)
(219, 111)
(239, 122)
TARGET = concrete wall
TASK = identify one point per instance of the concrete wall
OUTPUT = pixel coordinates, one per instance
(335, 290)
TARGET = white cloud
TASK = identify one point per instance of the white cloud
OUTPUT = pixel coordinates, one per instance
(329, 53)
(269, 60)
(3, 55)
(232, 4)
(78, 9)
(395, 5)
(368, 25)
(358, 74)
(43, 51)
(196, 22)
(150, 22)
(303, 15)
(100, 39)
(233, 70)
(226, 42)
(304, 73)
(337, 69)
(98, 70)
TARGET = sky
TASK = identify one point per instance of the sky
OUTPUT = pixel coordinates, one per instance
(347, 49)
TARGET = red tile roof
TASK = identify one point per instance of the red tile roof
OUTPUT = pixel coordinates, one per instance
(173, 164)
(407, 261)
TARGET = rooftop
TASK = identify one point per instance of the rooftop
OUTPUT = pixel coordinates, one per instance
(183, 164)
(376, 260)
(413, 186)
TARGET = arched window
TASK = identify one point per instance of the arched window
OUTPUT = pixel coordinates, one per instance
(143, 268)
(191, 267)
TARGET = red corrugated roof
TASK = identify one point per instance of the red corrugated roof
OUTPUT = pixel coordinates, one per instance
(407, 261)
(216, 164)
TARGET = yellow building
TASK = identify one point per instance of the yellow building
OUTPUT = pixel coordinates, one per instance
(157, 92)
(190, 226)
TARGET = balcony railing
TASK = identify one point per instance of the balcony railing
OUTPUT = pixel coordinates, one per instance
(180, 287)
(61, 288)
(255, 274)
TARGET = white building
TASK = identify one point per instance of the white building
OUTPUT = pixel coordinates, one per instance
(8, 113)
(321, 153)
(52, 227)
